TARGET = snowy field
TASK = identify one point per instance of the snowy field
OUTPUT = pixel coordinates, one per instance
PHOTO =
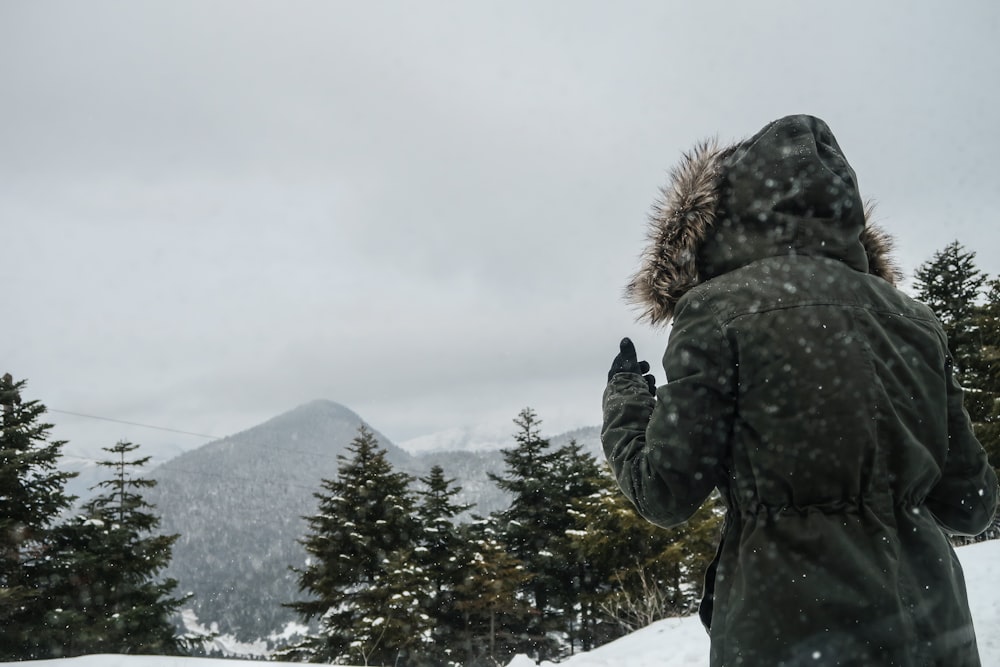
(674, 642)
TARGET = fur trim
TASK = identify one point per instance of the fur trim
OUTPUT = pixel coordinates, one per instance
(879, 246)
(680, 220)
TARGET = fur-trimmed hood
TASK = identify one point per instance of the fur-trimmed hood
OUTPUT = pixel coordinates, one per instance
(788, 190)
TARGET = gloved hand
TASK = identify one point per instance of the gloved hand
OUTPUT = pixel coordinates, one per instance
(627, 362)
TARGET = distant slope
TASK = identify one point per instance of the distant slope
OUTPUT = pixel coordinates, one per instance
(237, 504)
(588, 437)
(491, 439)
(461, 439)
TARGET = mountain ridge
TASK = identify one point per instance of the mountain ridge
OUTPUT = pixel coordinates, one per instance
(238, 505)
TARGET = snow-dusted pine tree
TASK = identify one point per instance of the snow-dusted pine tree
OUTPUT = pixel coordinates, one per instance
(530, 526)
(442, 552)
(968, 304)
(105, 595)
(952, 285)
(496, 614)
(641, 572)
(576, 476)
(362, 530)
(32, 496)
(985, 408)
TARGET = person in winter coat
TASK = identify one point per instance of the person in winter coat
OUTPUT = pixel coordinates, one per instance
(818, 399)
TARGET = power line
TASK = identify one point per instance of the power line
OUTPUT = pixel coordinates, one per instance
(199, 435)
(269, 447)
(121, 421)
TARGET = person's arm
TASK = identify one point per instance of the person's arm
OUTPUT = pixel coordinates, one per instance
(964, 500)
(666, 451)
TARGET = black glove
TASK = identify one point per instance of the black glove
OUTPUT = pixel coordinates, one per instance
(627, 362)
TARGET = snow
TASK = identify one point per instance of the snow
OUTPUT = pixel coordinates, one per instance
(226, 645)
(674, 642)
(132, 661)
(477, 438)
(668, 643)
(677, 642)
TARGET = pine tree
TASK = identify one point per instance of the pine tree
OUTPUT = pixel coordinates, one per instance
(530, 526)
(985, 408)
(951, 285)
(363, 524)
(600, 535)
(495, 612)
(392, 628)
(104, 589)
(32, 496)
(442, 552)
(641, 572)
(576, 477)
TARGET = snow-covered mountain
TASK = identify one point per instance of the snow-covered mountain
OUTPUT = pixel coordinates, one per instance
(674, 642)
(461, 439)
(238, 505)
(491, 438)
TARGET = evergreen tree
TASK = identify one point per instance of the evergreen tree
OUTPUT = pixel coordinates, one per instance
(529, 526)
(951, 285)
(363, 524)
(641, 572)
(392, 628)
(985, 403)
(442, 553)
(604, 523)
(32, 496)
(496, 615)
(576, 477)
(103, 592)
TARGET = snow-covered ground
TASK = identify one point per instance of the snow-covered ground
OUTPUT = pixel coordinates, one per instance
(675, 642)
(678, 642)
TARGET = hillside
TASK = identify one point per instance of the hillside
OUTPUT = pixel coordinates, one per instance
(238, 503)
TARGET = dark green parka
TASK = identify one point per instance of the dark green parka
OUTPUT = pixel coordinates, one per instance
(817, 398)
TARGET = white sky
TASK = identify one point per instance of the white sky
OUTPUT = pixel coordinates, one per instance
(211, 212)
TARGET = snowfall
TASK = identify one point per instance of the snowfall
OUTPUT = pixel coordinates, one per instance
(670, 643)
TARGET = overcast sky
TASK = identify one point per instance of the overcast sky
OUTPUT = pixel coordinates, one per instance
(212, 212)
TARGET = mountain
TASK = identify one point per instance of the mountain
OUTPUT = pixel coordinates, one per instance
(461, 439)
(238, 505)
(491, 438)
(589, 437)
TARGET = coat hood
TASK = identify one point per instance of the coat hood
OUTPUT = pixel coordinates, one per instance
(788, 190)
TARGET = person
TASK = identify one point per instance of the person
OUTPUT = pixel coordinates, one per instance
(819, 400)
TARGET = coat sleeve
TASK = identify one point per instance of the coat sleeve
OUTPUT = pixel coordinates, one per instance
(666, 453)
(964, 500)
